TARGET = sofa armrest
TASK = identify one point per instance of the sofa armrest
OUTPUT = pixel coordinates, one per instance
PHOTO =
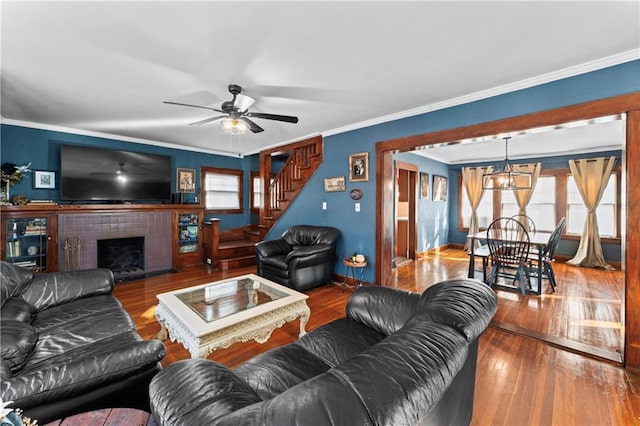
(305, 251)
(197, 391)
(272, 248)
(383, 309)
(47, 290)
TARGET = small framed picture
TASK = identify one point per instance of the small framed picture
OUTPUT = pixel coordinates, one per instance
(44, 180)
(335, 184)
(359, 167)
(424, 185)
(439, 188)
(186, 180)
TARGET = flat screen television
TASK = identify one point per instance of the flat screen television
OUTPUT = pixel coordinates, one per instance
(99, 174)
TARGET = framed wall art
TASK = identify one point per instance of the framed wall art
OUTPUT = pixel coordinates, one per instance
(186, 180)
(439, 188)
(44, 180)
(359, 167)
(335, 184)
(424, 185)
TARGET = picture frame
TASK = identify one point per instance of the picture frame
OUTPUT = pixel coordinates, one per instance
(44, 179)
(439, 188)
(185, 180)
(335, 184)
(424, 185)
(359, 167)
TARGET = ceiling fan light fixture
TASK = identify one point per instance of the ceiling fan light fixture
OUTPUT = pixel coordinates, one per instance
(234, 126)
(508, 178)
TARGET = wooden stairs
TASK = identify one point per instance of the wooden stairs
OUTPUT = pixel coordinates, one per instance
(235, 248)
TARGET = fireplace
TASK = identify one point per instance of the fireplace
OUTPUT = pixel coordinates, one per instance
(123, 256)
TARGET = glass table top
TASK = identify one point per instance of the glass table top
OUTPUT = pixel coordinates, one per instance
(222, 299)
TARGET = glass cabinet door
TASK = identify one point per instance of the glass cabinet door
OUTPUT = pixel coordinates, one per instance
(188, 227)
(26, 243)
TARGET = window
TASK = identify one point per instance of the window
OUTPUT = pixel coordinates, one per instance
(485, 210)
(222, 189)
(556, 195)
(606, 211)
(542, 206)
(256, 191)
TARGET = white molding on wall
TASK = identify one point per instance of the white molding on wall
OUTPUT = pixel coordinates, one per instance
(483, 94)
(598, 64)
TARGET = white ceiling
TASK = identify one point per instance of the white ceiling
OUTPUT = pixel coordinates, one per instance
(104, 68)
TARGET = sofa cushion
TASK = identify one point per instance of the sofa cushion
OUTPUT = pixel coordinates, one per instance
(273, 372)
(18, 340)
(339, 340)
(220, 392)
(13, 280)
(17, 309)
(78, 310)
(71, 335)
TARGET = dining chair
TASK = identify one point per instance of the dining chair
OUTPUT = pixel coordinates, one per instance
(528, 223)
(509, 244)
(548, 252)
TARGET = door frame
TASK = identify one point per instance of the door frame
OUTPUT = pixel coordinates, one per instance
(629, 104)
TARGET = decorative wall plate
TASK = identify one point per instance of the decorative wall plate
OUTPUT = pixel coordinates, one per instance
(355, 194)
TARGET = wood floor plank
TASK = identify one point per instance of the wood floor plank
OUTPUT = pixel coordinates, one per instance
(520, 380)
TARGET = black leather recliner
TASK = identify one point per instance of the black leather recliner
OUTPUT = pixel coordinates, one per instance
(303, 258)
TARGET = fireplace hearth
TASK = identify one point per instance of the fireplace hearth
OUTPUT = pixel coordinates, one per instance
(123, 256)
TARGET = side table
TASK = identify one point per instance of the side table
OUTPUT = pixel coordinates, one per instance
(350, 268)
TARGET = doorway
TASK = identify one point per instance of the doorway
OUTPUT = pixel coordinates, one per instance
(406, 190)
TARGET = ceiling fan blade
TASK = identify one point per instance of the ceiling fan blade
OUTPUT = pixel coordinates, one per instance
(243, 102)
(192, 106)
(207, 120)
(286, 118)
(252, 126)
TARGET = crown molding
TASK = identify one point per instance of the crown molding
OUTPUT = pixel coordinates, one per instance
(584, 68)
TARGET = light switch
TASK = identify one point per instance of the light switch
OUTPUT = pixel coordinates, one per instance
(357, 207)
(324, 205)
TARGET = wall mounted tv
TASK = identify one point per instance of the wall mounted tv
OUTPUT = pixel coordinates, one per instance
(99, 174)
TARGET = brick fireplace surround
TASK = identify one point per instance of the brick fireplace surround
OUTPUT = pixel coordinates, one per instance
(154, 226)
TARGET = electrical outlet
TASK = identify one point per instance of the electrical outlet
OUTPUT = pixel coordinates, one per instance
(209, 261)
(324, 205)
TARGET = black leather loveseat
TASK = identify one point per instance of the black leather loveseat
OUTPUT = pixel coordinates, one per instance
(68, 346)
(398, 358)
(302, 258)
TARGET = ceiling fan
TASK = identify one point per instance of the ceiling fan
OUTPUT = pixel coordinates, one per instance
(236, 118)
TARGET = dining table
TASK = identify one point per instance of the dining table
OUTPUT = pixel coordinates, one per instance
(538, 241)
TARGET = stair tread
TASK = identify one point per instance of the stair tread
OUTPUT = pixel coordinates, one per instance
(235, 244)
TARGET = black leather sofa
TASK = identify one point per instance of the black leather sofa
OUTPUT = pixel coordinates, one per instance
(302, 258)
(397, 358)
(68, 345)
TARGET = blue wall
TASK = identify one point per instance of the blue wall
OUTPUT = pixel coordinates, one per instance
(433, 216)
(612, 252)
(358, 229)
(41, 148)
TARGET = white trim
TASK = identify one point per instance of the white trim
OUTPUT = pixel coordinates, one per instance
(595, 65)
(82, 132)
(608, 61)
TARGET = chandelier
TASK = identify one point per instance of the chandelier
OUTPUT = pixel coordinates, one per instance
(508, 178)
(234, 126)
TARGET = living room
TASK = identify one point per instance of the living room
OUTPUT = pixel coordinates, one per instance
(27, 141)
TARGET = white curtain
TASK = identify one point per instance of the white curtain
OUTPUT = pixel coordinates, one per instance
(591, 177)
(523, 196)
(472, 183)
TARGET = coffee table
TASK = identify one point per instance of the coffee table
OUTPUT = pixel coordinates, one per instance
(216, 315)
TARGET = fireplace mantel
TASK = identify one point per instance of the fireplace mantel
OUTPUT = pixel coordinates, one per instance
(86, 223)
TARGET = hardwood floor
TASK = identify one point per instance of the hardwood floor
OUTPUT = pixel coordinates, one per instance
(521, 379)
